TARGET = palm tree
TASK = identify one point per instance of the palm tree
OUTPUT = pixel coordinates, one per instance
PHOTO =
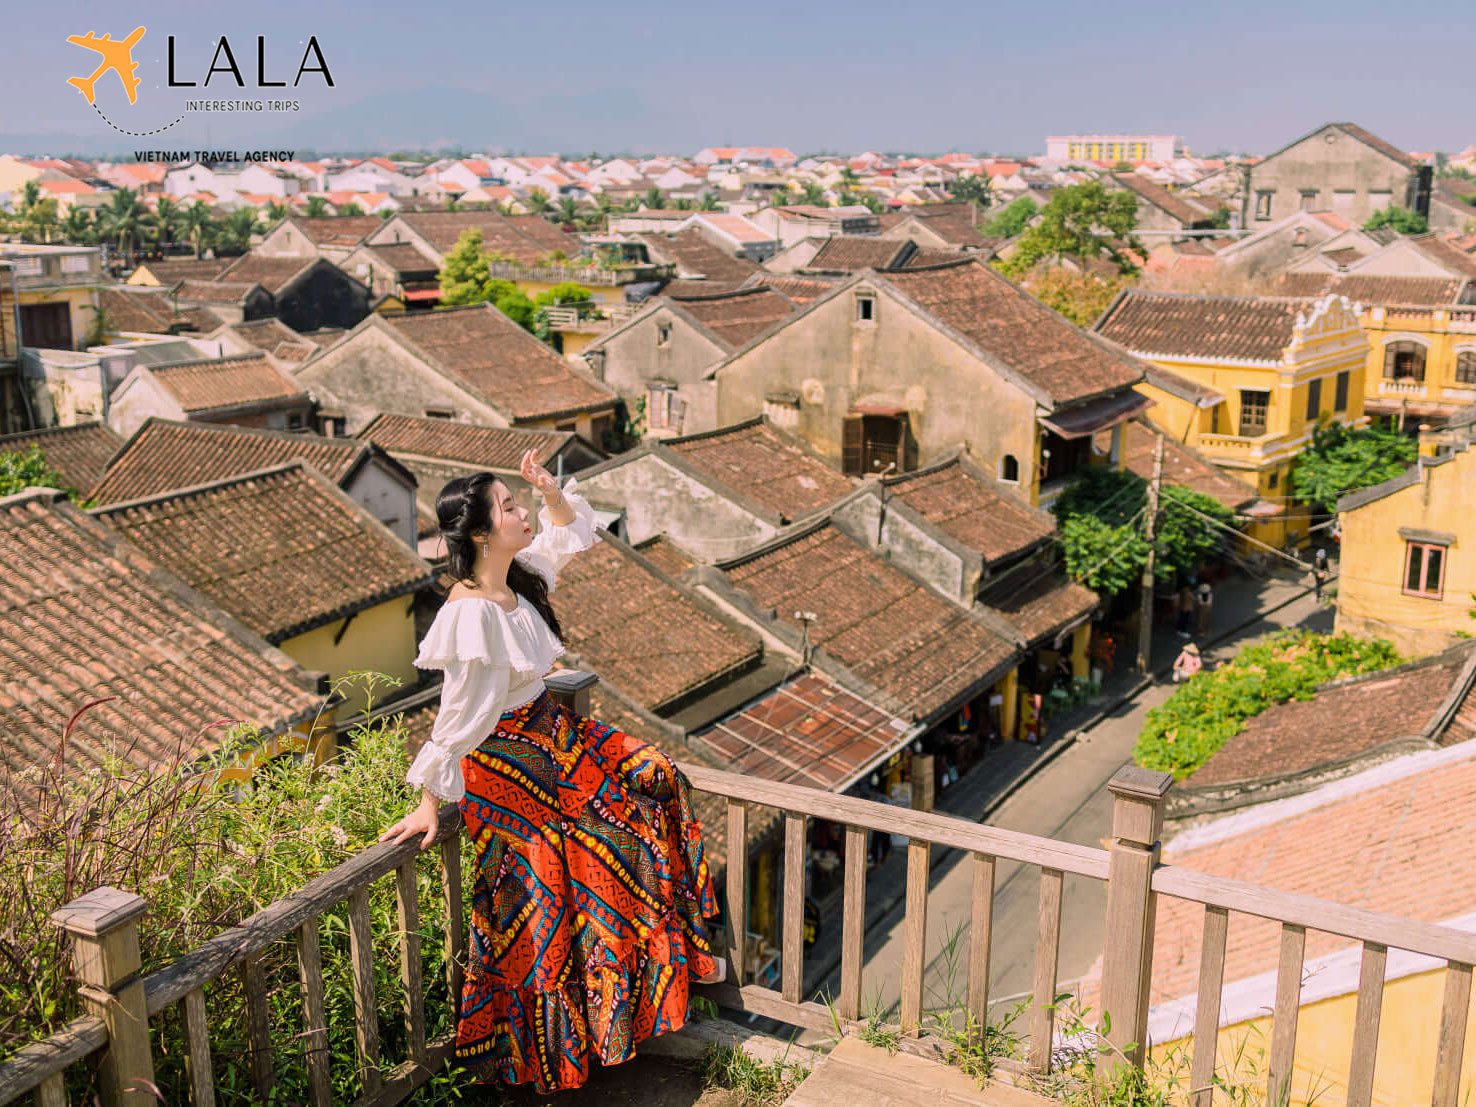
(30, 196)
(315, 208)
(277, 211)
(848, 178)
(238, 227)
(197, 223)
(166, 220)
(708, 202)
(538, 201)
(655, 199)
(568, 211)
(77, 227)
(39, 222)
(351, 208)
(814, 195)
(125, 218)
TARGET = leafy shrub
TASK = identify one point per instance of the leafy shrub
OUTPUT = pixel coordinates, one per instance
(206, 858)
(1185, 731)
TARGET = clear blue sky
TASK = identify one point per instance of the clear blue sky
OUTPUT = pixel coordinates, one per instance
(952, 74)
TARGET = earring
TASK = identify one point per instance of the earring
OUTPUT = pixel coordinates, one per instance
(487, 547)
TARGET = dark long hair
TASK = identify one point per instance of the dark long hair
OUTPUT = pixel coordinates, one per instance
(463, 509)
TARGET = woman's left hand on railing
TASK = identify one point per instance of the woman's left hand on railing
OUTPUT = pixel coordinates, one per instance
(425, 820)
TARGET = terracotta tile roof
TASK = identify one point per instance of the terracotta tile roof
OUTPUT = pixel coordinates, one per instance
(215, 383)
(735, 318)
(78, 454)
(337, 230)
(1338, 722)
(656, 641)
(766, 466)
(918, 650)
(1249, 328)
(486, 447)
(164, 455)
(1014, 329)
(735, 226)
(85, 615)
(693, 253)
(1447, 254)
(810, 732)
(954, 223)
(1386, 148)
(1414, 832)
(527, 238)
(1181, 208)
(1040, 604)
(233, 293)
(403, 258)
(272, 273)
(925, 256)
(666, 555)
(270, 548)
(845, 253)
(1182, 464)
(512, 370)
(798, 290)
(151, 311)
(681, 288)
(265, 334)
(966, 505)
(1370, 290)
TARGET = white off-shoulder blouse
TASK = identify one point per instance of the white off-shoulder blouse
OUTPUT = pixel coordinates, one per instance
(494, 660)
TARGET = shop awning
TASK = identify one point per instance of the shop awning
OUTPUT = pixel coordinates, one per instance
(1261, 509)
(422, 294)
(1095, 415)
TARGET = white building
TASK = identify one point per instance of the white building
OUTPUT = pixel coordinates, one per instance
(1110, 148)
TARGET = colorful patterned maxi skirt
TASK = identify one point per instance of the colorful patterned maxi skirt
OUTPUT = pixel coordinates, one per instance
(588, 902)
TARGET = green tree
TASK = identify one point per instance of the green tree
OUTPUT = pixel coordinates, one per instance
(466, 279)
(708, 202)
(78, 227)
(538, 201)
(1080, 297)
(197, 225)
(1401, 219)
(1340, 460)
(276, 212)
(973, 188)
(125, 219)
(166, 220)
(28, 468)
(316, 207)
(236, 229)
(654, 199)
(868, 200)
(1013, 219)
(39, 221)
(811, 193)
(568, 211)
(565, 292)
(351, 208)
(1083, 221)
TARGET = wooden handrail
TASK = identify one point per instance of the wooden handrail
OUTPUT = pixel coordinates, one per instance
(30, 1066)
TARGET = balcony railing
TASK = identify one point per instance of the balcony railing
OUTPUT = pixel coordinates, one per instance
(1237, 444)
(57, 267)
(1405, 387)
(591, 319)
(120, 1003)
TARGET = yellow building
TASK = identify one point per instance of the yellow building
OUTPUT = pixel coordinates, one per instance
(1421, 361)
(1246, 380)
(57, 291)
(1407, 571)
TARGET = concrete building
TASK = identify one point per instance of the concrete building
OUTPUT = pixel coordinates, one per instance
(1339, 167)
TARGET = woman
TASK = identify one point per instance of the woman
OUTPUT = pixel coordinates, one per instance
(1188, 663)
(592, 886)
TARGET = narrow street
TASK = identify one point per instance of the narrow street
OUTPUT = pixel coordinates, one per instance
(1066, 799)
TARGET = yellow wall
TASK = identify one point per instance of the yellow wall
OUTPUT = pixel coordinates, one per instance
(1405, 1070)
(1444, 332)
(381, 640)
(1371, 599)
(81, 305)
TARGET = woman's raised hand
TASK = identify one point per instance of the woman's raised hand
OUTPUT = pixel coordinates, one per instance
(424, 820)
(536, 475)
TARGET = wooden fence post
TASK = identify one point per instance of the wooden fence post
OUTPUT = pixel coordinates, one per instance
(571, 688)
(105, 957)
(1127, 955)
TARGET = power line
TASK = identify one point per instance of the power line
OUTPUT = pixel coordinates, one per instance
(1239, 533)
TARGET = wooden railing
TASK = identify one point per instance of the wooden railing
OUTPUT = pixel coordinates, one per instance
(119, 1003)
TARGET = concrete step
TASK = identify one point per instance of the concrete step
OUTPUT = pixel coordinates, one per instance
(856, 1073)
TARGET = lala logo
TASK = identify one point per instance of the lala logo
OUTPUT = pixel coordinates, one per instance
(117, 56)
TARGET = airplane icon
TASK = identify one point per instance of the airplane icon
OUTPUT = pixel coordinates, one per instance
(115, 55)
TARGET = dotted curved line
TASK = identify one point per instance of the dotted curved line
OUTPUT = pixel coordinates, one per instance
(135, 134)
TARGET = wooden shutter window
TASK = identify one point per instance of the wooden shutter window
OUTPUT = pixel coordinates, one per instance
(851, 445)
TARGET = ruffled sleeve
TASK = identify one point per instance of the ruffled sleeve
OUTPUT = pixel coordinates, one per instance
(554, 545)
(463, 642)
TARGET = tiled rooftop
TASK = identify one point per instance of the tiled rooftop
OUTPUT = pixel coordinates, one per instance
(766, 466)
(1369, 290)
(488, 447)
(917, 649)
(337, 230)
(525, 238)
(693, 253)
(271, 548)
(500, 361)
(86, 616)
(666, 555)
(797, 290)
(845, 253)
(403, 258)
(655, 640)
(151, 310)
(173, 270)
(1182, 208)
(228, 382)
(1178, 324)
(809, 731)
(736, 317)
(272, 273)
(164, 455)
(228, 293)
(78, 454)
(1016, 330)
(968, 506)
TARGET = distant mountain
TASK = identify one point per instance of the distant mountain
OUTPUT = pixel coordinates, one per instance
(432, 118)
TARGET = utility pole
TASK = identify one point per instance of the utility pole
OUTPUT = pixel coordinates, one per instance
(1145, 614)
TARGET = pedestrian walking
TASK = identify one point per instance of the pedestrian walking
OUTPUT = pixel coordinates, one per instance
(1319, 573)
(1188, 663)
(1204, 604)
(1184, 608)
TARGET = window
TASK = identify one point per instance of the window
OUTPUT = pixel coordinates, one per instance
(75, 263)
(1215, 419)
(566, 428)
(1466, 367)
(865, 309)
(1404, 361)
(1009, 469)
(27, 267)
(440, 413)
(1380, 199)
(1342, 200)
(870, 443)
(663, 333)
(1254, 403)
(1273, 479)
(1424, 570)
(294, 420)
(1263, 205)
(1309, 199)
(1314, 399)
(663, 409)
(1340, 395)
